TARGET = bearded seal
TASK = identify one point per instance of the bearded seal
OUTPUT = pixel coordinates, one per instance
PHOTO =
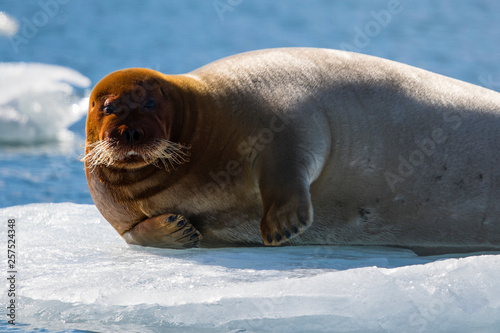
(373, 151)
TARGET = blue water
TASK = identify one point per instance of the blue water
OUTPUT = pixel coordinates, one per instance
(94, 37)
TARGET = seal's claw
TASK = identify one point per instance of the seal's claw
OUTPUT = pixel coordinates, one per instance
(277, 222)
(166, 230)
(287, 234)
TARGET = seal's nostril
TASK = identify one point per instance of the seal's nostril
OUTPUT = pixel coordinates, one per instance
(137, 135)
(127, 136)
(132, 136)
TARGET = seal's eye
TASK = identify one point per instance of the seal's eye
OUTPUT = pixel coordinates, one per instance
(109, 109)
(150, 105)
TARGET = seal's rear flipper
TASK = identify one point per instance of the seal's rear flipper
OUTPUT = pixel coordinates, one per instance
(165, 231)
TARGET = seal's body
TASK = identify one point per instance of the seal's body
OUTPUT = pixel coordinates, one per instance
(319, 146)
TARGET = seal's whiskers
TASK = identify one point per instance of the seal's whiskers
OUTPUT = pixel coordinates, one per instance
(166, 152)
(102, 152)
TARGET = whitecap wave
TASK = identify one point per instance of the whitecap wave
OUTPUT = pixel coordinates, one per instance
(8, 25)
(38, 102)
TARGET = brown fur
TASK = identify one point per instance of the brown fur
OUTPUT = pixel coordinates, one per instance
(130, 191)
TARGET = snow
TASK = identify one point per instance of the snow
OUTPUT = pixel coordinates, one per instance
(76, 273)
(8, 25)
(38, 102)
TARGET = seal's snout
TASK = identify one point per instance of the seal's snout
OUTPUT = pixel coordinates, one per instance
(132, 136)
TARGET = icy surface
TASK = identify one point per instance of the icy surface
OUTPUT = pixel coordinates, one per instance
(8, 25)
(76, 273)
(38, 102)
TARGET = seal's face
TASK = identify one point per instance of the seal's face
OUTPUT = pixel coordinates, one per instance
(130, 122)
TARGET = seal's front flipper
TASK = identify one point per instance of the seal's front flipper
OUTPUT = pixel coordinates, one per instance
(285, 218)
(288, 209)
(166, 231)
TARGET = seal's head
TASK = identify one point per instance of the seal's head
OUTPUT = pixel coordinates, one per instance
(131, 122)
